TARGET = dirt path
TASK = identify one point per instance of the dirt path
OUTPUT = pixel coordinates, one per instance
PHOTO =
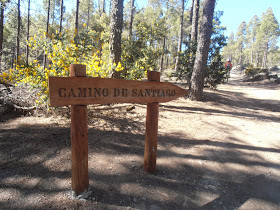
(222, 153)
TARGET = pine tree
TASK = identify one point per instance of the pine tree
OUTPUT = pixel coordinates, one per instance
(47, 30)
(240, 41)
(195, 16)
(1, 31)
(230, 49)
(116, 34)
(77, 16)
(197, 79)
(61, 16)
(28, 31)
(131, 13)
(18, 32)
(267, 34)
(251, 36)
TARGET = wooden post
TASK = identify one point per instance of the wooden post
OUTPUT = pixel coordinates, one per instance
(79, 139)
(150, 155)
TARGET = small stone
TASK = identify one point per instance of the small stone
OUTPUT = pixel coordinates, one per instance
(144, 198)
(134, 200)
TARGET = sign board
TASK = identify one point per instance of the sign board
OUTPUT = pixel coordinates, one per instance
(79, 91)
(91, 90)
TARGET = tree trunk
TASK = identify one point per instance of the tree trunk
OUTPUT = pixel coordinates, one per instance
(1, 33)
(13, 57)
(191, 16)
(251, 58)
(103, 6)
(18, 32)
(265, 56)
(197, 79)
(240, 58)
(27, 33)
(131, 11)
(257, 59)
(61, 16)
(77, 16)
(162, 56)
(116, 35)
(195, 21)
(180, 36)
(48, 20)
(88, 15)
(53, 15)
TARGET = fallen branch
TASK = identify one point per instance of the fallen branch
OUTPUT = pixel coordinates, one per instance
(24, 108)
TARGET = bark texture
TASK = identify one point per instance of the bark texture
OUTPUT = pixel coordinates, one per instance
(48, 23)
(61, 16)
(195, 16)
(197, 79)
(131, 11)
(18, 31)
(27, 33)
(77, 15)
(1, 32)
(116, 34)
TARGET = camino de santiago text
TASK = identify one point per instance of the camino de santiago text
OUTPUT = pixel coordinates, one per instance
(114, 92)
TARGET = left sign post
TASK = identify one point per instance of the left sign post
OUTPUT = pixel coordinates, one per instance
(79, 139)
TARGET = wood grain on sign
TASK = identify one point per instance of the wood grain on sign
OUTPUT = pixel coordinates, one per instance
(89, 90)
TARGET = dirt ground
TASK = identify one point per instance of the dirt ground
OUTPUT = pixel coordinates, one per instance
(221, 153)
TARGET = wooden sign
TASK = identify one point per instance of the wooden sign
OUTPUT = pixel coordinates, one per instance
(90, 90)
(79, 91)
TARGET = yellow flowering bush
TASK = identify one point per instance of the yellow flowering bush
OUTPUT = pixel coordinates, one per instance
(83, 47)
(61, 51)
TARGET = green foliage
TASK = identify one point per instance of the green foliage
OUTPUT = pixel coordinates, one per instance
(62, 49)
(141, 53)
(215, 72)
(251, 71)
(186, 62)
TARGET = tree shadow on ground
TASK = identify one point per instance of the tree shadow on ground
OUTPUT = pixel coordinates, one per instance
(239, 100)
(183, 181)
(238, 105)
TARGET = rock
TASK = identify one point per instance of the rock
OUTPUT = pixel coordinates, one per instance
(277, 80)
(273, 68)
(274, 76)
(134, 200)
(154, 207)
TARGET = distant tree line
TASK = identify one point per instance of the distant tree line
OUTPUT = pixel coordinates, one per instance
(255, 42)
